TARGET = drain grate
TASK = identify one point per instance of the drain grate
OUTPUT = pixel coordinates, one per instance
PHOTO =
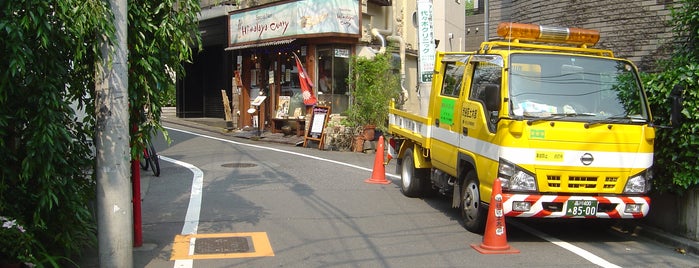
(239, 165)
(222, 245)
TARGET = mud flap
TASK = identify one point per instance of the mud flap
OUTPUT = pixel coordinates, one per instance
(456, 197)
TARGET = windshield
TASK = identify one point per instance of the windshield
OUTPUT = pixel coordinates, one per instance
(574, 88)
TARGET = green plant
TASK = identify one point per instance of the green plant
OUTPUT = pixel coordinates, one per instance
(677, 149)
(49, 52)
(15, 242)
(161, 36)
(48, 56)
(374, 85)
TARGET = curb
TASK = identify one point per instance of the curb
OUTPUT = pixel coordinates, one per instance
(682, 245)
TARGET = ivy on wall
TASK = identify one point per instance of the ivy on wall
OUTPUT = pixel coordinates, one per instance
(677, 149)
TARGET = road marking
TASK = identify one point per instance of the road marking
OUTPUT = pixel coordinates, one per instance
(574, 249)
(191, 219)
(279, 150)
(183, 248)
(570, 247)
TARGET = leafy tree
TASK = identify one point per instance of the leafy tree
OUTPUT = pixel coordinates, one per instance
(48, 55)
(677, 149)
(47, 60)
(160, 37)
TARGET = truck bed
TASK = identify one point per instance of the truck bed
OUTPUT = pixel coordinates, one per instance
(410, 126)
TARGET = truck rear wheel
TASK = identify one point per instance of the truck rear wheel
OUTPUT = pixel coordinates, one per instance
(473, 214)
(412, 180)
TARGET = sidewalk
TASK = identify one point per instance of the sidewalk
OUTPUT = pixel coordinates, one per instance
(218, 125)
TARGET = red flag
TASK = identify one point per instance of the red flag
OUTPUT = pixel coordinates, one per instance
(306, 84)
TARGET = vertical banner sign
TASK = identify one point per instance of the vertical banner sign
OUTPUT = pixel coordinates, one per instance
(425, 40)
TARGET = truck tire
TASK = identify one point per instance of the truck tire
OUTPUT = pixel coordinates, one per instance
(412, 180)
(473, 214)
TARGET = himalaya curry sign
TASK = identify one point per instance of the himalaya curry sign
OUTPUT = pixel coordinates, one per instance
(295, 19)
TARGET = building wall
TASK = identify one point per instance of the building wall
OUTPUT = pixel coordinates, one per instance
(640, 33)
(449, 22)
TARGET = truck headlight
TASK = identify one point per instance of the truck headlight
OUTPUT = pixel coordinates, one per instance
(639, 183)
(514, 178)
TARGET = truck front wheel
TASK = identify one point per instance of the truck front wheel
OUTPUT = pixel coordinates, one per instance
(473, 214)
(411, 179)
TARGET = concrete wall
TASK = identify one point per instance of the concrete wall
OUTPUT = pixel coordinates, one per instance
(677, 214)
(449, 21)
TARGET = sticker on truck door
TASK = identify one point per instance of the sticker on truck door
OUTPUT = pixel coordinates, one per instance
(446, 112)
(469, 115)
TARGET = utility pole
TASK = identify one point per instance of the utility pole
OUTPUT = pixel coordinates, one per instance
(114, 208)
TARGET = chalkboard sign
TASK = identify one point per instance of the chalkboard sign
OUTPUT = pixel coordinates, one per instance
(319, 118)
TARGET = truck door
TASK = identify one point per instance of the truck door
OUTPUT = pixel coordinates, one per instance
(446, 107)
(479, 114)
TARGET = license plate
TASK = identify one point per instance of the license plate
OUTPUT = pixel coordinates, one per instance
(581, 208)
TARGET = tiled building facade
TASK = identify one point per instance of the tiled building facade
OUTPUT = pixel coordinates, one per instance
(638, 30)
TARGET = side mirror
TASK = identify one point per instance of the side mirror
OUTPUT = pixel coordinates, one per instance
(676, 108)
(492, 97)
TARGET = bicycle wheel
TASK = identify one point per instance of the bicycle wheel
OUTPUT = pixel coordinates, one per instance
(144, 160)
(153, 159)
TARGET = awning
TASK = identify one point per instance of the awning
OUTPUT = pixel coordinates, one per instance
(263, 44)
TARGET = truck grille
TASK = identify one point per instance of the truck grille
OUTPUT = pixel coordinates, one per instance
(560, 183)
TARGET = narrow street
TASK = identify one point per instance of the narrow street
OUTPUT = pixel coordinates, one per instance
(276, 205)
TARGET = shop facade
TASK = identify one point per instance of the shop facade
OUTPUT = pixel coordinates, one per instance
(264, 43)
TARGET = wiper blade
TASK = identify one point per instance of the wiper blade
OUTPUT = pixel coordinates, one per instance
(615, 119)
(556, 117)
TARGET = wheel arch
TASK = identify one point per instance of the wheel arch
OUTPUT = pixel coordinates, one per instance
(465, 163)
(420, 154)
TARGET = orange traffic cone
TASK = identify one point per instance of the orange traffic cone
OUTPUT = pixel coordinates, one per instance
(495, 236)
(378, 175)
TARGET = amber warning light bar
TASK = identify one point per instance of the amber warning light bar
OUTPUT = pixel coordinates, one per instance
(533, 32)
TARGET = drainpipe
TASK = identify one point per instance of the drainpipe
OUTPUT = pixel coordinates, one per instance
(375, 32)
(391, 31)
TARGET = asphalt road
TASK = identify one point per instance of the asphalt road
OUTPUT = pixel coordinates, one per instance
(227, 202)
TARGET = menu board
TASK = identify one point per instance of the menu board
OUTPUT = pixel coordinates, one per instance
(319, 118)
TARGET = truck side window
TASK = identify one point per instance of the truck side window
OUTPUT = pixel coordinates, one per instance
(453, 74)
(484, 75)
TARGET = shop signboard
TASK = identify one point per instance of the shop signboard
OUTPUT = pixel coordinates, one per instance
(319, 118)
(294, 19)
(425, 41)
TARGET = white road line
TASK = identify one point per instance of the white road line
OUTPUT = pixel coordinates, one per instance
(279, 150)
(578, 251)
(191, 220)
(574, 249)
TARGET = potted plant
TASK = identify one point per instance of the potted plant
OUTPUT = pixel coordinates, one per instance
(15, 243)
(374, 84)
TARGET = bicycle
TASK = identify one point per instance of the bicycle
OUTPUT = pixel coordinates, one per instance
(150, 159)
(150, 155)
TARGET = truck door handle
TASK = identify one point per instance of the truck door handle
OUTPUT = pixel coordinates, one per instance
(436, 122)
(464, 131)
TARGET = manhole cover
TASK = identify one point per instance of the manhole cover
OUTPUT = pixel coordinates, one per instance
(238, 165)
(222, 245)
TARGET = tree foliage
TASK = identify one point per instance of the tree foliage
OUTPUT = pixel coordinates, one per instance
(48, 55)
(677, 149)
(47, 61)
(161, 36)
(374, 85)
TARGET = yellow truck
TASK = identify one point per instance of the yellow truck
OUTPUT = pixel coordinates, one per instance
(565, 127)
